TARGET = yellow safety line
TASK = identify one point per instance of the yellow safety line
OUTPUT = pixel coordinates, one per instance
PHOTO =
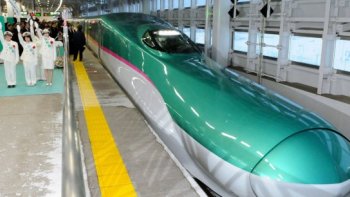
(112, 174)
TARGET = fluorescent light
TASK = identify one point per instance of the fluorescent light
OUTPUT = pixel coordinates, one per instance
(59, 6)
(167, 33)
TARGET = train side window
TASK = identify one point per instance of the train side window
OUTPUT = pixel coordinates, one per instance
(147, 39)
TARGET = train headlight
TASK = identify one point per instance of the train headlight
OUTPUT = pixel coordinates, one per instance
(167, 33)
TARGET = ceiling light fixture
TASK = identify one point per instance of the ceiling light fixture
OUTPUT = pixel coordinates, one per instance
(59, 6)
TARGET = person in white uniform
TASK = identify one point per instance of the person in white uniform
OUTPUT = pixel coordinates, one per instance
(48, 53)
(29, 57)
(10, 55)
(40, 72)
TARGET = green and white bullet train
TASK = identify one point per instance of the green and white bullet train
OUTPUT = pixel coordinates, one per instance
(236, 136)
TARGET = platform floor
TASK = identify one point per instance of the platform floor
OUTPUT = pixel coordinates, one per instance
(149, 166)
(30, 138)
(23, 89)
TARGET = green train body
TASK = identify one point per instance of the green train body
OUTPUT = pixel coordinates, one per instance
(267, 140)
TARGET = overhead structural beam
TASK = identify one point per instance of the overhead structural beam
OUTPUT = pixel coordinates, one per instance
(146, 6)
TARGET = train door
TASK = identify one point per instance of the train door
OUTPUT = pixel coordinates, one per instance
(86, 28)
(100, 38)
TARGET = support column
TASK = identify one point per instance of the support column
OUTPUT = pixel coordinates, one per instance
(326, 68)
(251, 54)
(327, 56)
(10, 12)
(283, 59)
(208, 27)
(283, 46)
(221, 32)
(146, 6)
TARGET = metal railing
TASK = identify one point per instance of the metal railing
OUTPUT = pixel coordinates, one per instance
(72, 166)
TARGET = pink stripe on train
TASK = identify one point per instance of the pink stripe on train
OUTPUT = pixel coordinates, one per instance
(123, 60)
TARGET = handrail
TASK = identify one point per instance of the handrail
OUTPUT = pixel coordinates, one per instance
(72, 170)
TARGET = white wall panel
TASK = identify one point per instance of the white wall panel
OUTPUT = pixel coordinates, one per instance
(290, 17)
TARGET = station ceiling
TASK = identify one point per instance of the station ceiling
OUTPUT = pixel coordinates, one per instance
(48, 5)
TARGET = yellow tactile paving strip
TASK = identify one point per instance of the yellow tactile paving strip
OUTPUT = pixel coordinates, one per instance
(112, 174)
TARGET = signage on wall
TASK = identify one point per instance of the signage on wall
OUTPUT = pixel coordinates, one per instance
(44, 14)
(55, 13)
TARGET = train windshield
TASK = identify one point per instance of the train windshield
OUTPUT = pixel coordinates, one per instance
(170, 41)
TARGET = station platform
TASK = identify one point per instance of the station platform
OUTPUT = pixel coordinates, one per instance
(31, 137)
(122, 156)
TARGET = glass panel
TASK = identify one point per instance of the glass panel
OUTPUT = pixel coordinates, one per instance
(151, 4)
(175, 4)
(200, 2)
(200, 36)
(148, 40)
(305, 50)
(342, 55)
(158, 4)
(270, 39)
(243, 1)
(187, 3)
(187, 31)
(239, 43)
(166, 4)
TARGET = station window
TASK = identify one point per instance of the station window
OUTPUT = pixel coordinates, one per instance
(175, 4)
(166, 4)
(151, 5)
(272, 41)
(158, 4)
(306, 50)
(243, 1)
(187, 31)
(201, 2)
(200, 36)
(187, 3)
(239, 41)
(342, 55)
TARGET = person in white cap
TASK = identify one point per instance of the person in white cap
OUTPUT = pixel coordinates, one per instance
(29, 57)
(40, 72)
(10, 55)
(48, 53)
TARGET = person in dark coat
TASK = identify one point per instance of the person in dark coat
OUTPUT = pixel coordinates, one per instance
(70, 36)
(79, 43)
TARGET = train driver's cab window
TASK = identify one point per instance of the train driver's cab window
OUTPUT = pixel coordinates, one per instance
(170, 41)
(147, 39)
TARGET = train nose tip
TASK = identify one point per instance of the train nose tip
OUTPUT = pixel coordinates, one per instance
(312, 162)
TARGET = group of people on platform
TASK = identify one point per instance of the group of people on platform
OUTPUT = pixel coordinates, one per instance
(27, 41)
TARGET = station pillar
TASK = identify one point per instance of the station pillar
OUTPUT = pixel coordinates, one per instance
(221, 32)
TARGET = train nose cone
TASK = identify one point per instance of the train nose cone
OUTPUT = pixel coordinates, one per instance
(309, 163)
